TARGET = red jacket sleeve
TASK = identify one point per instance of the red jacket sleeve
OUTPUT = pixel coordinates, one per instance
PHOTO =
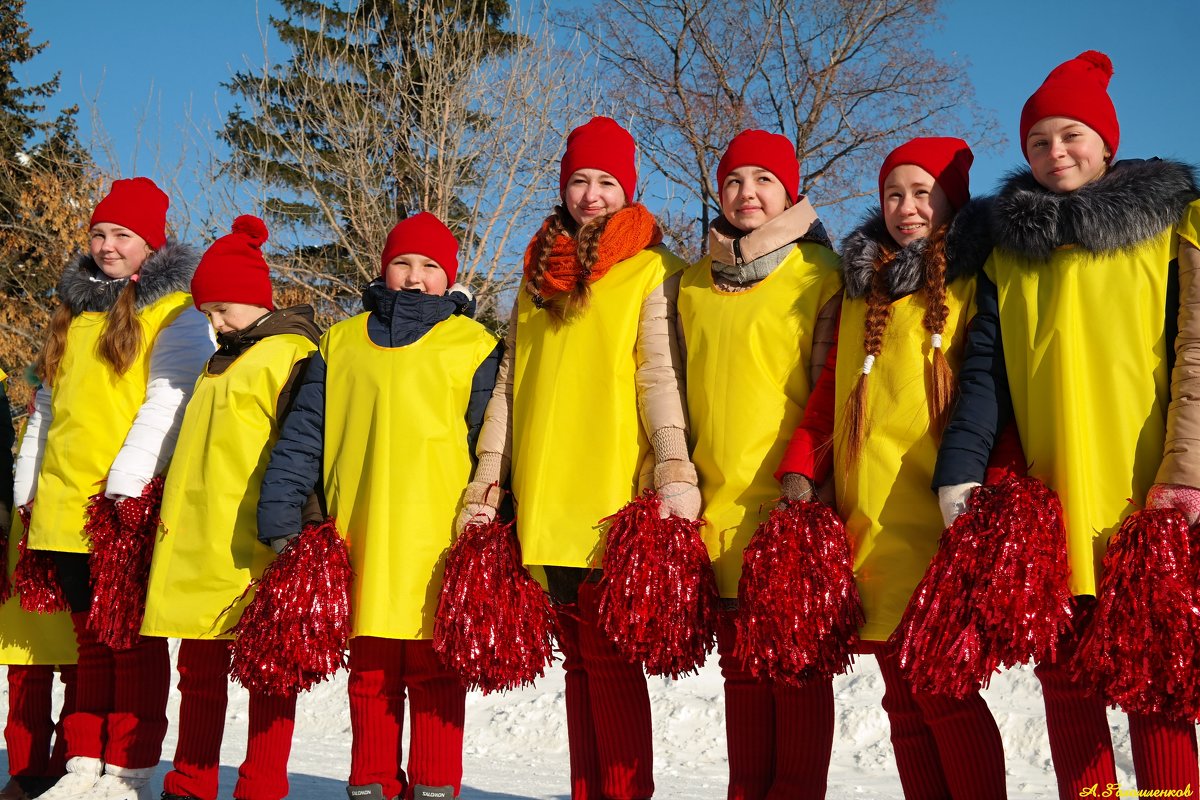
(810, 450)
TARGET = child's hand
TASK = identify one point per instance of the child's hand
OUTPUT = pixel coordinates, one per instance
(953, 500)
(1184, 499)
(480, 501)
(795, 488)
(680, 499)
(480, 513)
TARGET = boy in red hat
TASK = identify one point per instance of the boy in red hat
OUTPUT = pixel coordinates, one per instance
(207, 551)
(385, 421)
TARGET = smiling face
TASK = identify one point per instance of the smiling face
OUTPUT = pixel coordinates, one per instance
(1064, 154)
(118, 251)
(914, 206)
(413, 272)
(230, 317)
(592, 193)
(752, 196)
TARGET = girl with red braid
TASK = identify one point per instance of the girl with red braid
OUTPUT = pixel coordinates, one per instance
(756, 316)
(1091, 290)
(207, 551)
(122, 355)
(910, 272)
(588, 409)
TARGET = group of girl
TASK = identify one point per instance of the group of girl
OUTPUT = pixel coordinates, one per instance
(1064, 304)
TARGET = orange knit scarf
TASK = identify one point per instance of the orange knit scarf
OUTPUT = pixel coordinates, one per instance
(628, 232)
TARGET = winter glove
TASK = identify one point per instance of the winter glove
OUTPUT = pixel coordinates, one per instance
(675, 481)
(1185, 499)
(280, 544)
(952, 500)
(795, 488)
(480, 501)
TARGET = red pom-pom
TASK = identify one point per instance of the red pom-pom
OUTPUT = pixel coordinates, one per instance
(1140, 651)
(494, 627)
(1100, 61)
(122, 542)
(995, 594)
(35, 578)
(295, 631)
(658, 596)
(798, 606)
(252, 227)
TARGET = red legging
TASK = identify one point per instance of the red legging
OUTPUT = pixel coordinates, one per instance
(30, 726)
(120, 712)
(780, 737)
(381, 670)
(608, 709)
(945, 748)
(203, 685)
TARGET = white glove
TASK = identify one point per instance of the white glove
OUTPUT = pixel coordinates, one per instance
(952, 500)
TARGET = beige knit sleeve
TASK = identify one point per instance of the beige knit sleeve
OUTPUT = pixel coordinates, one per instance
(824, 335)
(1181, 454)
(494, 447)
(660, 384)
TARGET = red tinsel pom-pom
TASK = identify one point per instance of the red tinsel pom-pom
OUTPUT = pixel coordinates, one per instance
(494, 627)
(1141, 649)
(995, 594)
(798, 606)
(658, 595)
(35, 578)
(122, 542)
(295, 631)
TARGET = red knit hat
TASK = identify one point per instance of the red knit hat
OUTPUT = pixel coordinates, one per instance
(139, 205)
(1077, 89)
(233, 270)
(946, 158)
(771, 151)
(600, 143)
(426, 235)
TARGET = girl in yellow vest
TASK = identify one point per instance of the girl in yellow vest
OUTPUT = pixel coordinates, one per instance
(749, 314)
(588, 409)
(1080, 342)
(123, 352)
(910, 273)
(33, 646)
(385, 420)
(207, 551)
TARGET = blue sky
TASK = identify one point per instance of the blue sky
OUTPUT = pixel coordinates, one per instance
(154, 66)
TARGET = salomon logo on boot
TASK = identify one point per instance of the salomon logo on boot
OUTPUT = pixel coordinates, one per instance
(372, 791)
(433, 793)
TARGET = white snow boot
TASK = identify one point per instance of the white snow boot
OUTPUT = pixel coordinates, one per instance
(123, 783)
(82, 775)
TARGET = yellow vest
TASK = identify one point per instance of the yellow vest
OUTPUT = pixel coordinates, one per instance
(578, 444)
(891, 514)
(207, 551)
(27, 638)
(396, 462)
(93, 410)
(1085, 345)
(1189, 226)
(748, 366)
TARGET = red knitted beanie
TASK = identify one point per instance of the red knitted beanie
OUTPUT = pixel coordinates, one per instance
(600, 143)
(425, 235)
(139, 205)
(1077, 89)
(233, 269)
(946, 158)
(771, 151)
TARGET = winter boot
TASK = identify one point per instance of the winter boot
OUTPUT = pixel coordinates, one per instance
(34, 785)
(123, 783)
(169, 796)
(372, 791)
(433, 793)
(13, 791)
(82, 775)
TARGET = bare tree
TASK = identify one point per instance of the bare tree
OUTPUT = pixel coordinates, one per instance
(846, 79)
(444, 121)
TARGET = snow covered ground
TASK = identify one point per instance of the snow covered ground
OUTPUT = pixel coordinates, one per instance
(516, 743)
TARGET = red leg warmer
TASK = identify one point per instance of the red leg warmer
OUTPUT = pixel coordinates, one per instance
(437, 705)
(263, 775)
(203, 666)
(84, 729)
(1164, 753)
(581, 729)
(58, 756)
(749, 720)
(30, 725)
(376, 691)
(916, 750)
(138, 722)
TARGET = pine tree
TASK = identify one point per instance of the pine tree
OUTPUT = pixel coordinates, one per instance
(339, 135)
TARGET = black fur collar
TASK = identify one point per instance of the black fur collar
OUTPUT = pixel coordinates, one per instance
(1134, 201)
(968, 244)
(83, 287)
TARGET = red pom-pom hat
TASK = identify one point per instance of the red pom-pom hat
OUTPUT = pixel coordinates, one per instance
(425, 235)
(946, 158)
(601, 143)
(1077, 89)
(771, 151)
(233, 269)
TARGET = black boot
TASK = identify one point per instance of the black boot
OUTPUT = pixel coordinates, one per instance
(372, 791)
(433, 793)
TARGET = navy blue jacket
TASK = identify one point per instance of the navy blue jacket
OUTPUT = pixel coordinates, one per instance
(397, 318)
